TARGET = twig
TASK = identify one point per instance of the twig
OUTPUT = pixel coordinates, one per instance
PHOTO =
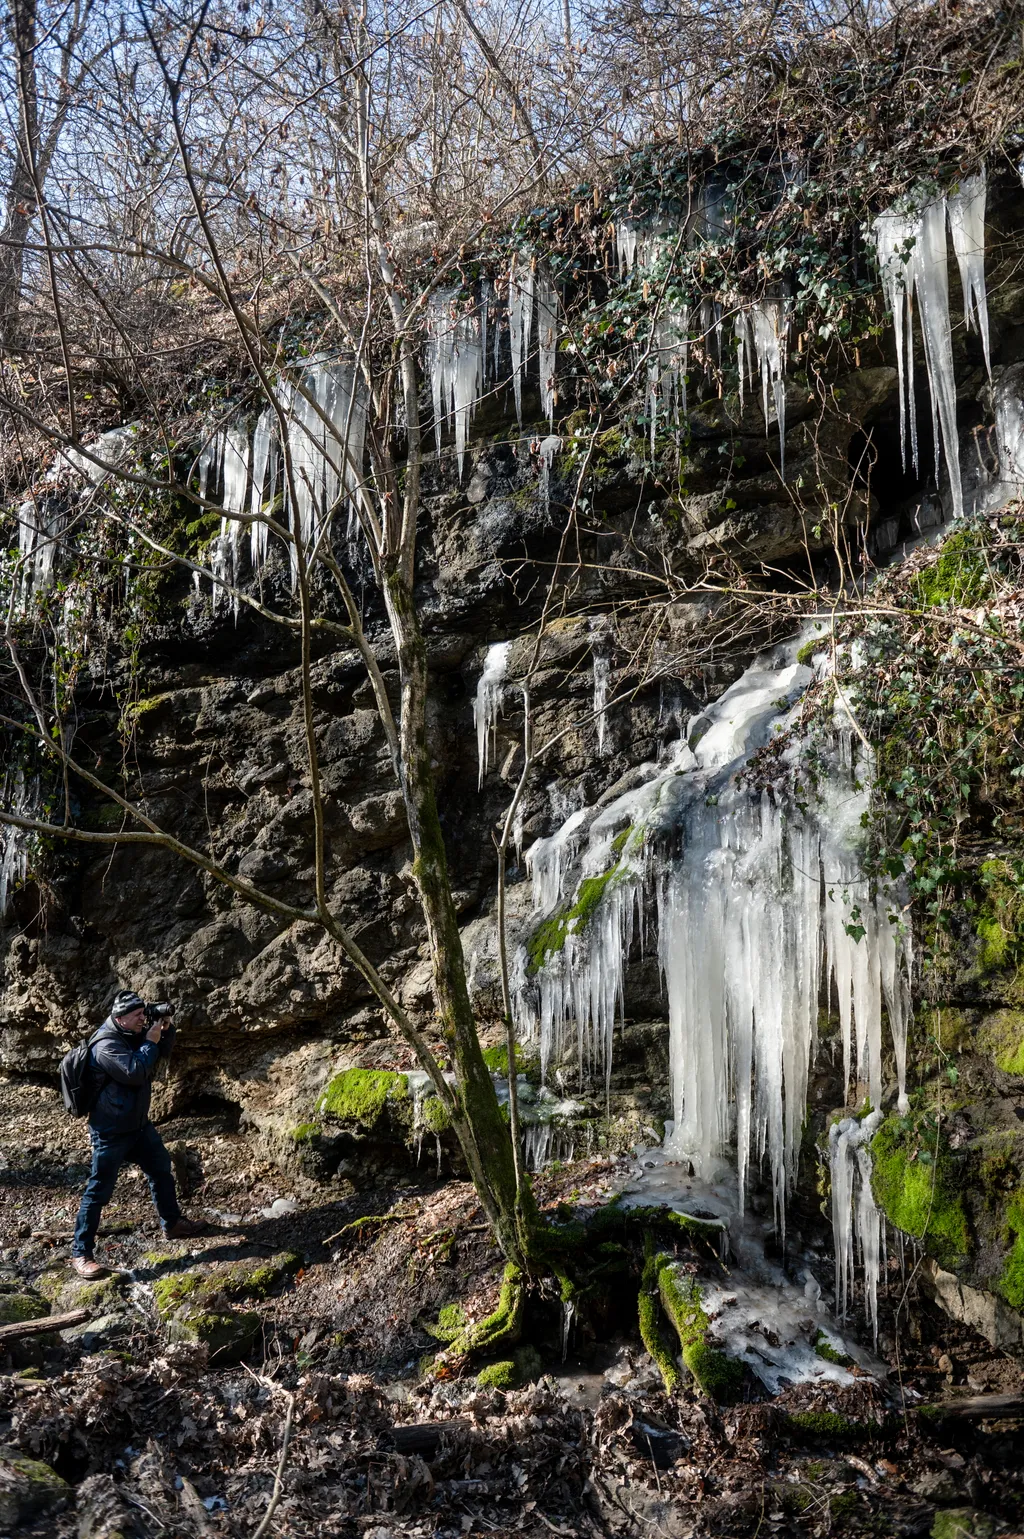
(278, 1490)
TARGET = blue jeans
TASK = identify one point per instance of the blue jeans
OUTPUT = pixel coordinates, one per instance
(109, 1152)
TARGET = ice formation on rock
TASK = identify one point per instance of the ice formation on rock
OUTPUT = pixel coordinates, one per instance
(40, 525)
(227, 458)
(546, 451)
(602, 672)
(456, 357)
(911, 250)
(762, 329)
(520, 323)
(325, 411)
(488, 702)
(1009, 415)
(753, 898)
(547, 341)
(265, 457)
(15, 796)
(856, 1221)
(668, 365)
(966, 208)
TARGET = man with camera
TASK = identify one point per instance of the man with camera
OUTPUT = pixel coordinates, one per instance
(123, 1057)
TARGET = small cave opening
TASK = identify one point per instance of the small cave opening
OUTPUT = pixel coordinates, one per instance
(875, 458)
(216, 1113)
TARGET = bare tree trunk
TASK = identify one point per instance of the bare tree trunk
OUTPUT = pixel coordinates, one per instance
(481, 1129)
(21, 193)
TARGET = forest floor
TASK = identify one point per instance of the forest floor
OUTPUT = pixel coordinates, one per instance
(154, 1439)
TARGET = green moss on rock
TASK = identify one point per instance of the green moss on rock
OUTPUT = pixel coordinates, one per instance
(434, 1115)
(829, 1426)
(197, 1289)
(360, 1095)
(915, 1184)
(1010, 1282)
(964, 1523)
(305, 1132)
(550, 937)
(228, 1335)
(959, 576)
(825, 1349)
(1000, 921)
(66, 1290)
(1002, 1036)
(503, 1375)
(720, 1377)
(16, 1308)
(28, 1487)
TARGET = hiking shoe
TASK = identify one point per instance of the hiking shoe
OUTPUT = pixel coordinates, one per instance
(184, 1229)
(86, 1267)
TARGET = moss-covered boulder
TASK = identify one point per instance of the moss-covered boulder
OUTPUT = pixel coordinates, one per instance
(361, 1096)
(964, 1523)
(918, 1184)
(65, 1290)
(720, 1377)
(21, 1305)
(1001, 1037)
(28, 1489)
(198, 1304)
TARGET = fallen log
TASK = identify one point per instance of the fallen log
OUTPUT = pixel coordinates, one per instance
(423, 1438)
(44, 1326)
(975, 1408)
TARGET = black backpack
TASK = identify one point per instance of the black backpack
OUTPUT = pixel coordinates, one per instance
(79, 1084)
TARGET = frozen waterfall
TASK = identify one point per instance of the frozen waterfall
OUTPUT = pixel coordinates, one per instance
(487, 705)
(757, 903)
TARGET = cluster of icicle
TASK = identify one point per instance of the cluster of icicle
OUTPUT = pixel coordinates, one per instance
(463, 355)
(911, 249)
(761, 326)
(325, 416)
(757, 903)
(856, 1221)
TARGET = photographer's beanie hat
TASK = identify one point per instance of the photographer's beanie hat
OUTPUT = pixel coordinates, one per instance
(125, 1001)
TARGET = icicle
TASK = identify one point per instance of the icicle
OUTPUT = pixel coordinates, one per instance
(456, 352)
(770, 327)
(264, 481)
(921, 272)
(40, 523)
(546, 451)
(625, 247)
(855, 1216)
(487, 705)
(520, 323)
(547, 339)
(966, 209)
(669, 363)
(602, 672)
(326, 437)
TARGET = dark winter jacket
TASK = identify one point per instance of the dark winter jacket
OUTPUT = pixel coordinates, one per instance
(123, 1064)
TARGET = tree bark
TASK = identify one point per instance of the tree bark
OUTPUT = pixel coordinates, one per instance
(21, 193)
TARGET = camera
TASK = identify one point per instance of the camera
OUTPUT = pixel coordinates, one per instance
(161, 1012)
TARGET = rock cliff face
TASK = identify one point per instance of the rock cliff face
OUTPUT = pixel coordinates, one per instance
(269, 1012)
